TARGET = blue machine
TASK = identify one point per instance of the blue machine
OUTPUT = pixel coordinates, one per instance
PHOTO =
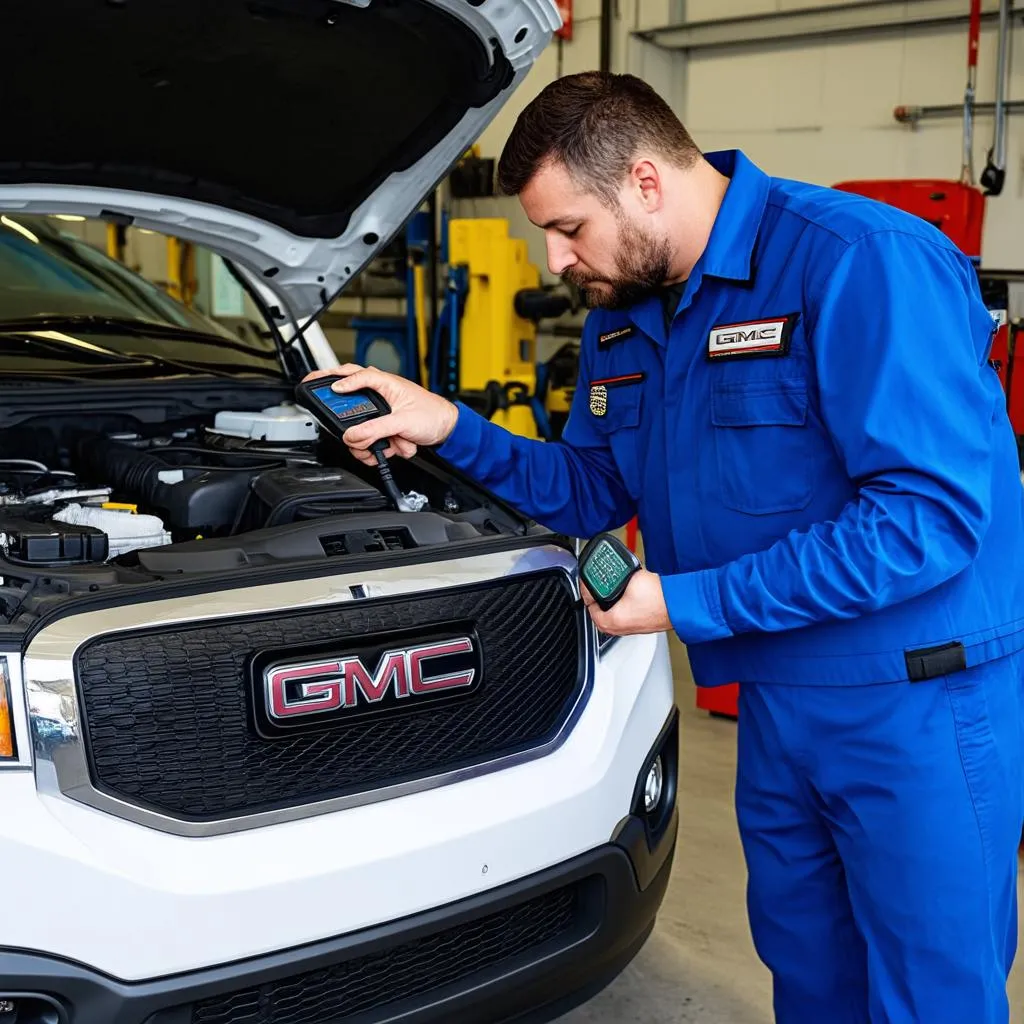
(389, 342)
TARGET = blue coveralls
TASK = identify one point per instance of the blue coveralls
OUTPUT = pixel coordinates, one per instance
(827, 482)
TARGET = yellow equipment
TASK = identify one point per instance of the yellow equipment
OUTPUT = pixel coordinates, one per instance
(419, 277)
(181, 271)
(497, 351)
(116, 242)
(496, 343)
(481, 345)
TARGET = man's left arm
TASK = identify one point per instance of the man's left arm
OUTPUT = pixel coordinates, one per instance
(900, 350)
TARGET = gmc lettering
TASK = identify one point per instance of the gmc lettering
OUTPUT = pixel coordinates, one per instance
(296, 690)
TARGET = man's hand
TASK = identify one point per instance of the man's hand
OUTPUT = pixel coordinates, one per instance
(641, 609)
(417, 416)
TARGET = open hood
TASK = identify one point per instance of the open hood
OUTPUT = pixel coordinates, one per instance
(294, 137)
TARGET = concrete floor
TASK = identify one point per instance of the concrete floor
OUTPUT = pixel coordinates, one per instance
(699, 966)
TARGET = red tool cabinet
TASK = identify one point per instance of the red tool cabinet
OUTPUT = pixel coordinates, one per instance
(956, 209)
(719, 700)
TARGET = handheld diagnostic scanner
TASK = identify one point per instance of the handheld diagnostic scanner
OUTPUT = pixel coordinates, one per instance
(606, 567)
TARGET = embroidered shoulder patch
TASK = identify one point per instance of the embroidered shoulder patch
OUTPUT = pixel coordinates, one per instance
(752, 338)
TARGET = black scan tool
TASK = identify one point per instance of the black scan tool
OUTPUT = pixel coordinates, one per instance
(336, 413)
(606, 567)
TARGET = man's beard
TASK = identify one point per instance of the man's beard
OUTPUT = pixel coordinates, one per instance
(642, 264)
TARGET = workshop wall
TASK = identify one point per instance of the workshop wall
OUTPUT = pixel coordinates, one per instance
(822, 111)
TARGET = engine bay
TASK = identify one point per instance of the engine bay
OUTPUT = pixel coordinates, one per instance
(86, 503)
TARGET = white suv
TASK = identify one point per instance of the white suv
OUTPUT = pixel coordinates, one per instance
(272, 751)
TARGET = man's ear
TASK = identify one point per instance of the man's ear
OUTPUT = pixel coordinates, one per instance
(646, 183)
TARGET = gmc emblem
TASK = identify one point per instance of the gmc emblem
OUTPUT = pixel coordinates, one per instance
(294, 690)
(756, 334)
(325, 685)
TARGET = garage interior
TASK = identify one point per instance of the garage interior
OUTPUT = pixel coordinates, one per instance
(867, 95)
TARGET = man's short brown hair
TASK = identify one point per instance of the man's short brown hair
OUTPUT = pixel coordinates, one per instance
(595, 124)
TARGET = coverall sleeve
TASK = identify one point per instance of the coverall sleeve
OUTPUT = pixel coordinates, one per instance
(572, 486)
(900, 343)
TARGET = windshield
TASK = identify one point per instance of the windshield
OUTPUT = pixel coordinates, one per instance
(47, 275)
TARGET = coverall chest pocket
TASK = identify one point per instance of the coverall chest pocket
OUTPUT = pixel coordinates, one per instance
(616, 404)
(763, 445)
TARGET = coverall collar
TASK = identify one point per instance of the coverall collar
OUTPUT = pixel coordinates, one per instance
(729, 253)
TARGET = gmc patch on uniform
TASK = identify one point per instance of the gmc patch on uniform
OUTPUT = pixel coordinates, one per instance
(752, 338)
(616, 335)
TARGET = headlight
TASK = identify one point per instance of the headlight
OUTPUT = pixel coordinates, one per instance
(6, 724)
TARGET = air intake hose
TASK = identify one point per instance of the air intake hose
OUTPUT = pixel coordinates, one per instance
(119, 466)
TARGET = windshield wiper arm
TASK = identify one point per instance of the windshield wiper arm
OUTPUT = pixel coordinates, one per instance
(126, 325)
(61, 348)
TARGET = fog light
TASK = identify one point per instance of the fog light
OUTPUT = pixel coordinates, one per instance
(28, 1008)
(653, 786)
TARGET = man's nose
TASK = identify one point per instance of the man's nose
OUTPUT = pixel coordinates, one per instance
(560, 255)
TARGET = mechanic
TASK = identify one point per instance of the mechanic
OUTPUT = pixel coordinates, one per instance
(790, 386)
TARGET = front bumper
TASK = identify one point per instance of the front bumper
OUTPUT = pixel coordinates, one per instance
(136, 904)
(525, 952)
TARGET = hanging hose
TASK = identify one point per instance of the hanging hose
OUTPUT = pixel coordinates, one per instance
(973, 36)
(435, 384)
(994, 175)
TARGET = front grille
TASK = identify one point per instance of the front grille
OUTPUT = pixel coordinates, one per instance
(168, 722)
(332, 994)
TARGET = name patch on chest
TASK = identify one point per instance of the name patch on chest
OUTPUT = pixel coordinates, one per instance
(620, 333)
(752, 338)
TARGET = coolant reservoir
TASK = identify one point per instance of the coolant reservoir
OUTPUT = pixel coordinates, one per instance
(278, 423)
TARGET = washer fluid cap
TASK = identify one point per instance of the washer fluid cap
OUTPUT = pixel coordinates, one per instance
(278, 423)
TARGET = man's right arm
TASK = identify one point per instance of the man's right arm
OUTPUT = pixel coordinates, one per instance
(573, 487)
(573, 490)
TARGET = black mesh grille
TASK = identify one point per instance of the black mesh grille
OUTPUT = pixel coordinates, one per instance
(167, 715)
(332, 994)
